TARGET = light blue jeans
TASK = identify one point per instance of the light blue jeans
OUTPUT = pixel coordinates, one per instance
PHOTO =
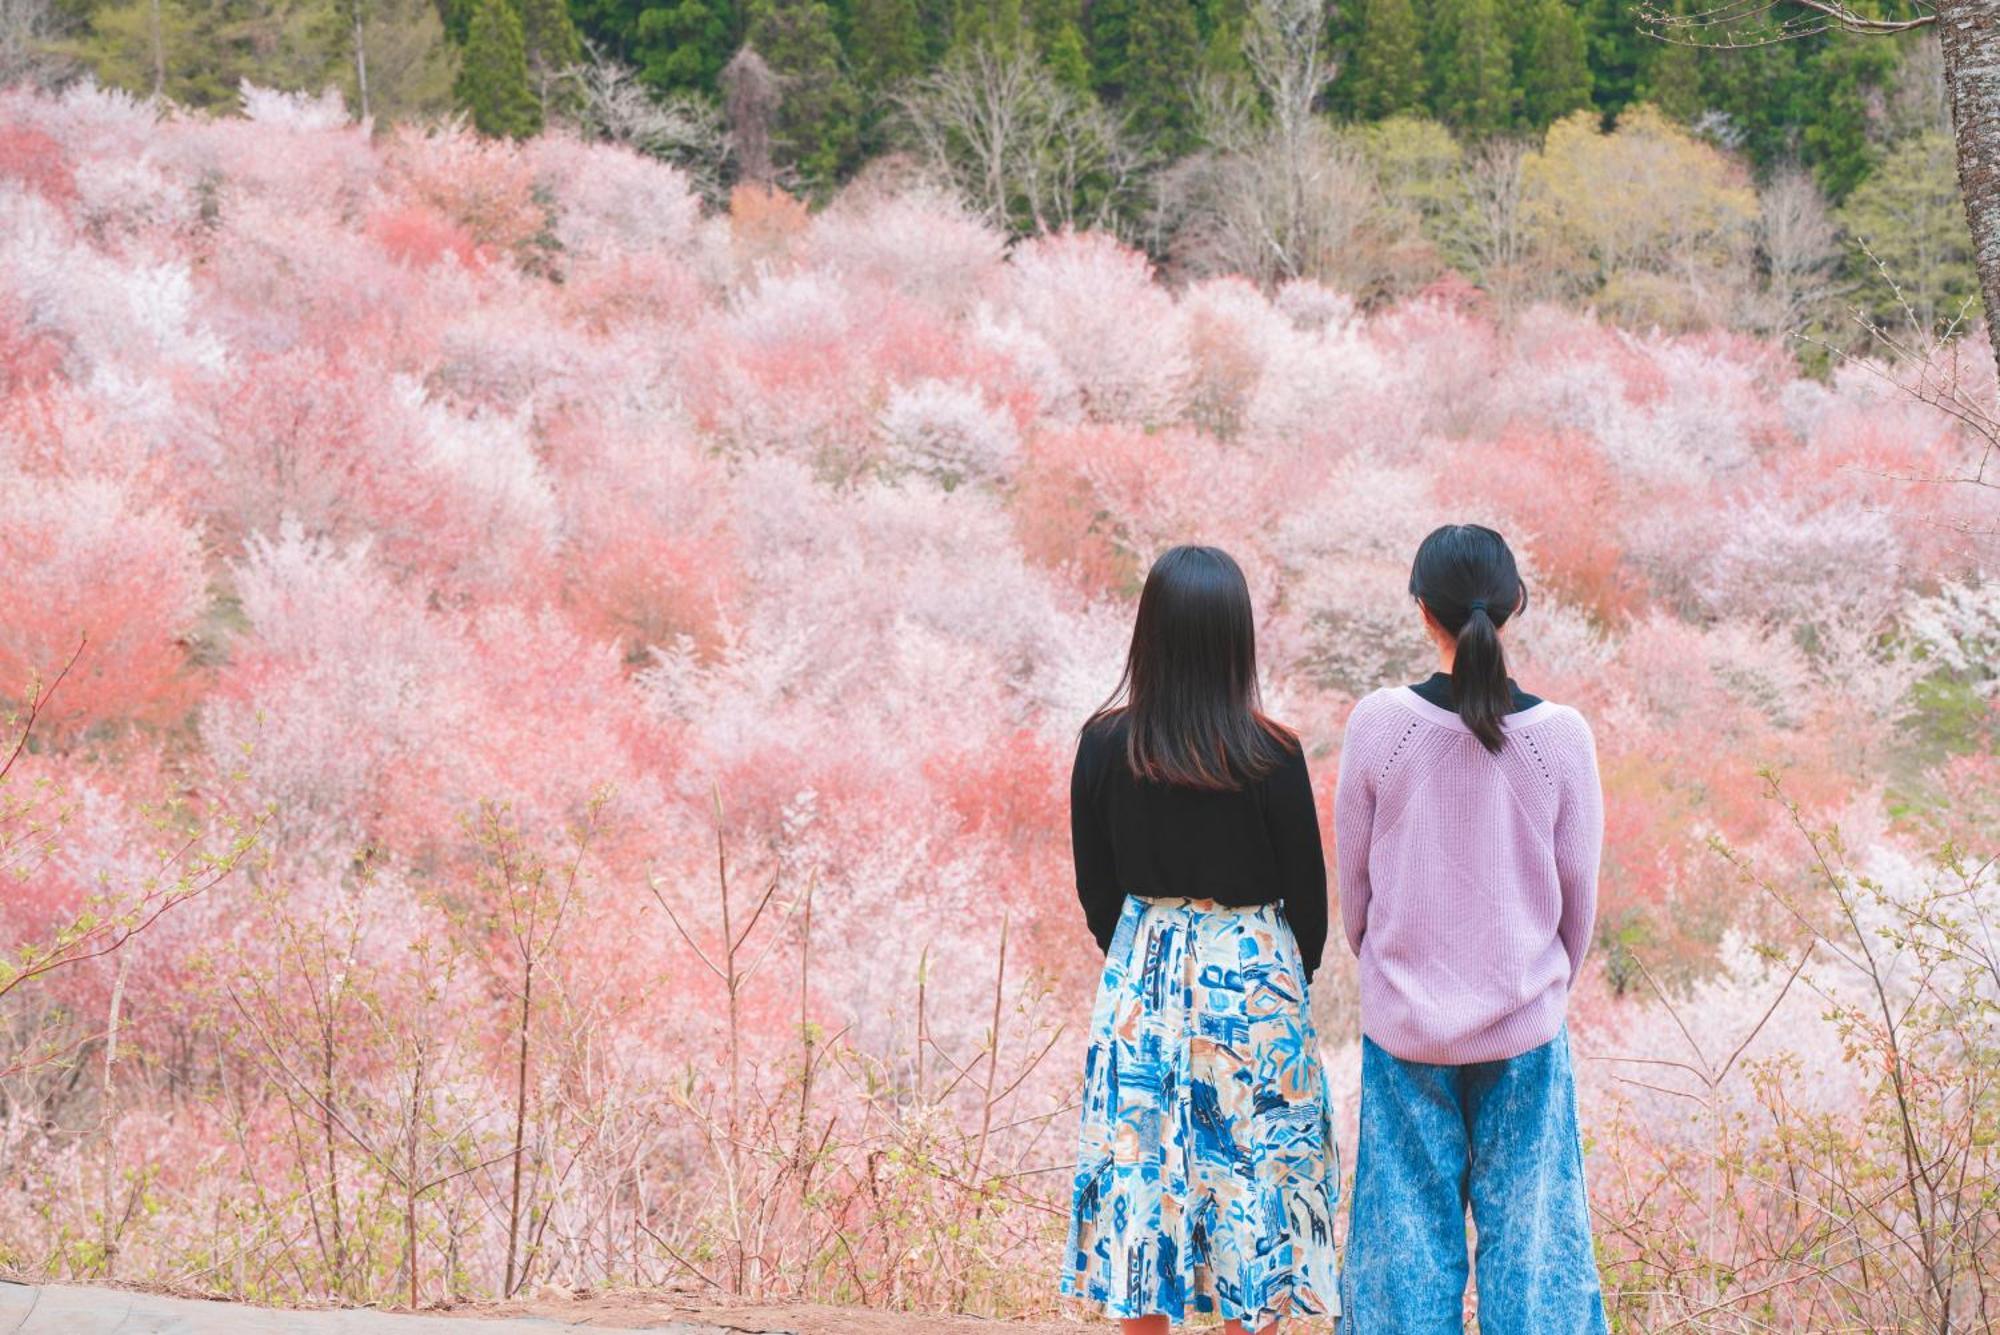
(1500, 1137)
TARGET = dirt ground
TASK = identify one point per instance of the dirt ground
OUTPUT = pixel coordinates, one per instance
(62, 1309)
(639, 1309)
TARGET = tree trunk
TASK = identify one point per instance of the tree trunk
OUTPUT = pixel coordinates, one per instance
(1969, 32)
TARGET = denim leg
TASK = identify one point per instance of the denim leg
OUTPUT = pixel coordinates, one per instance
(1537, 1270)
(1406, 1263)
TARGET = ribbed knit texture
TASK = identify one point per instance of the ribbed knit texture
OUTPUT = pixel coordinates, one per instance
(1468, 881)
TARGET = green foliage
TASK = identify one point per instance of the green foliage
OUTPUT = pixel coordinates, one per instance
(1417, 166)
(1626, 938)
(1647, 218)
(1471, 66)
(493, 80)
(1672, 82)
(1420, 173)
(818, 131)
(1947, 716)
(675, 45)
(1384, 73)
(1220, 24)
(885, 42)
(198, 52)
(1618, 50)
(1832, 104)
(1109, 26)
(1908, 231)
(548, 37)
(1671, 74)
(409, 63)
(1047, 19)
(683, 46)
(1000, 24)
(1551, 62)
(1068, 59)
(1756, 91)
(1846, 78)
(1163, 48)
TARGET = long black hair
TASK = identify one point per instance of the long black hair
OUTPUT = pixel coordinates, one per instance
(1189, 694)
(1465, 577)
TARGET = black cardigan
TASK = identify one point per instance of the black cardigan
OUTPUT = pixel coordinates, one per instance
(1258, 845)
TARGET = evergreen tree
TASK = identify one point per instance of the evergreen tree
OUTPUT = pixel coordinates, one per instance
(686, 44)
(886, 38)
(1844, 79)
(936, 16)
(676, 45)
(1068, 59)
(548, 40)
(493, 80)
(1002, 24)
(1671, 80)
(1908, 219)
(1618, 48)
(1471, 67)
(818, 129)
(1110, 30)
(1162, 53)
(1384, 72)
(1756, 93)
(1058, 29)
(1220, 25)
(1551, 63)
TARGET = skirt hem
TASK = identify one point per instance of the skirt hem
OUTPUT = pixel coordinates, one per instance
(1200, 1306)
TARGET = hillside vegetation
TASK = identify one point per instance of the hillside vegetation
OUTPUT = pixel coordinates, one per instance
(544, 711)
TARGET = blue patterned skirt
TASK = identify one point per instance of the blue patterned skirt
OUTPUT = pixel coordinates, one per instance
(1207, 1173)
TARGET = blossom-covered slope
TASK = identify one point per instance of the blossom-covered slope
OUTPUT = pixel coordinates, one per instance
(437, 501)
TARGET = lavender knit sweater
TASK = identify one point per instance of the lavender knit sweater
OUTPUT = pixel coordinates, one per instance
(1468, 881)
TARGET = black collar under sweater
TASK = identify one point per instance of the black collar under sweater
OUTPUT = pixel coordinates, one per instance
(1437, 690)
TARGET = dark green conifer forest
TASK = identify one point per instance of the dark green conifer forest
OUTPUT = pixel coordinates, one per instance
(1480, 67)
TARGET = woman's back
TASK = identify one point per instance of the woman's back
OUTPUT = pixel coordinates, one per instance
(1258, 844)
(1467, 825)
(1205, 1175)
(1468, 877)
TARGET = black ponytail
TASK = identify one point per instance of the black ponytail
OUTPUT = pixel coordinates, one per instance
(1466, 578)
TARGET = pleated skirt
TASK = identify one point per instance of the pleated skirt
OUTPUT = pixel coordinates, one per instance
(1207, 1172)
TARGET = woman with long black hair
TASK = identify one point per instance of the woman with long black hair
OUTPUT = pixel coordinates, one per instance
(1205, 1179)
(1468, 826)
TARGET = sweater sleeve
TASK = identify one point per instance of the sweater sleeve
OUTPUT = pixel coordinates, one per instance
(1354, 826)
(1097, 884)
(1579, 846)
(1293, 819)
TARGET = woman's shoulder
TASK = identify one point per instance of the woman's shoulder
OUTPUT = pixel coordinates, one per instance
(1381, 706)
(1565, 720)
(1287, 751)
(1104, 728)
(1101, 737)
(1547, 711)
(1557, 729)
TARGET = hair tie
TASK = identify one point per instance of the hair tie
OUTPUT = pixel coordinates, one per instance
(1476, 605)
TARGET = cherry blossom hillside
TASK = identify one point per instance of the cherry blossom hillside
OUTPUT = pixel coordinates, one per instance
(590, 682)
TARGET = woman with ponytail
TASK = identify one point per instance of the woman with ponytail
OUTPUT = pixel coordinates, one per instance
(1468, 824)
